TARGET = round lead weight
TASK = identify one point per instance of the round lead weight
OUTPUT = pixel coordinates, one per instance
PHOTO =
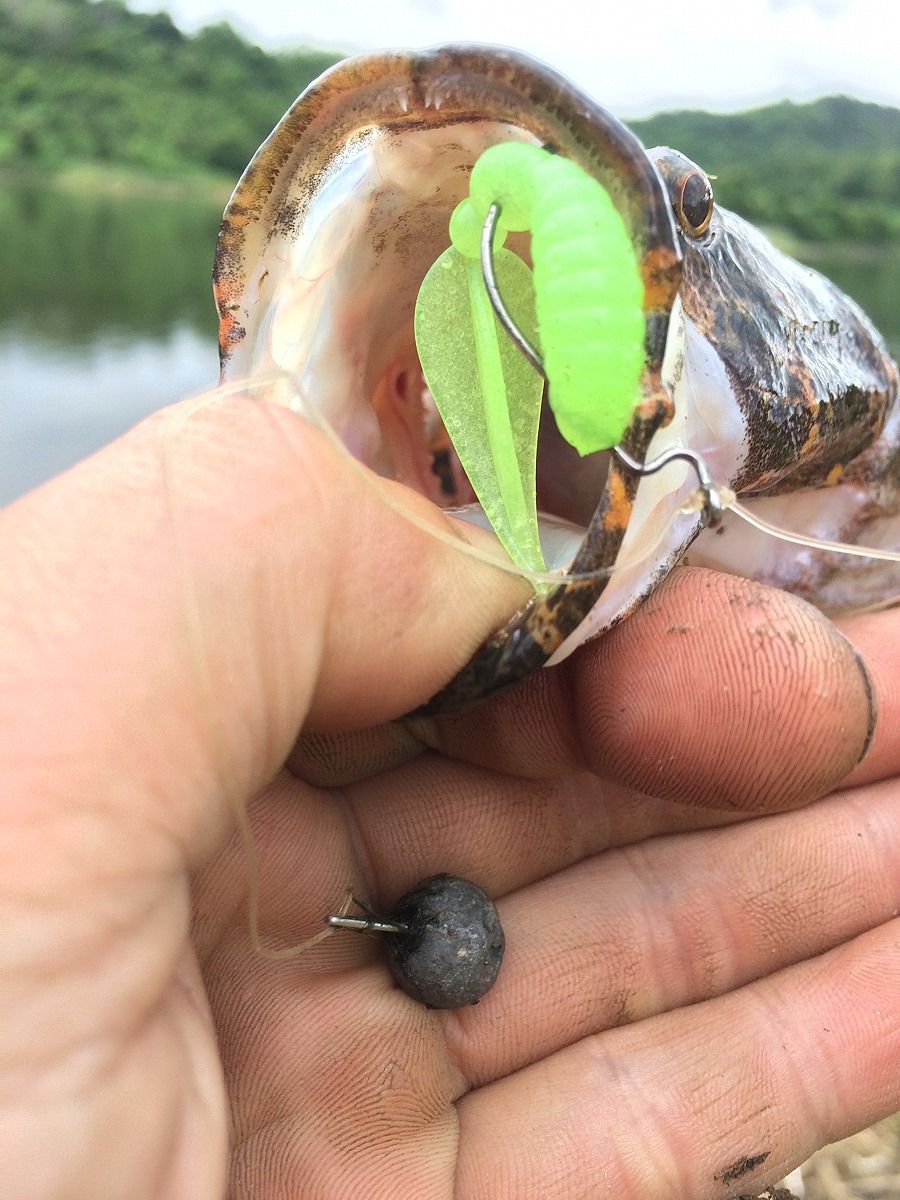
(451, 945)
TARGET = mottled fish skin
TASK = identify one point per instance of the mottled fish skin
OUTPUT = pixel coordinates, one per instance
(819, 394)
(810, 371)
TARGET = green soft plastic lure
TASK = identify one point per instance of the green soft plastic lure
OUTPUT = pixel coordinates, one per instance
(583, 310)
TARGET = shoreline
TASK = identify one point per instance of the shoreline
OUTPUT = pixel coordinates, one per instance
(95, 179)
(100, 179)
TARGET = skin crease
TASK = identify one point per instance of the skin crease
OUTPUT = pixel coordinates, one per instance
(703, 956)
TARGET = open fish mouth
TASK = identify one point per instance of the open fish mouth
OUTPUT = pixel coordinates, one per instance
(321, 254)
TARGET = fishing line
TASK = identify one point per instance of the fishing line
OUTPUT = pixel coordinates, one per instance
(723, 497)
(278, 389)
(730, 503)
(803, 539)
(493, 555)
(237, 804)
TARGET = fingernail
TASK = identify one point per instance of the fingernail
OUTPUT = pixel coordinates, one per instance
(870, 699)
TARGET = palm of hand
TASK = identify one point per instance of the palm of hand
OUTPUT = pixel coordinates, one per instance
(691, 982)
(630, 1036)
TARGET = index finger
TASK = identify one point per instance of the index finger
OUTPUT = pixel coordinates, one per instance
(718, 692)
(173, 609)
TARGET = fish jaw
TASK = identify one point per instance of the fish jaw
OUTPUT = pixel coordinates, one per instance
(664, 521)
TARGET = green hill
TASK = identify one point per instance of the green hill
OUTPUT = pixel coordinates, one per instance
(89, 81)
(83, 81)
(828, 170)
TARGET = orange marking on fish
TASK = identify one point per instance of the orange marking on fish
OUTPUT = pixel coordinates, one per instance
(661, 272)
(619, 506)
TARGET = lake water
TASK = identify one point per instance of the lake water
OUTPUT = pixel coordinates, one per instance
(106, 314)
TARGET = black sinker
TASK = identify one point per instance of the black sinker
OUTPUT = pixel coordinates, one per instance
(451, 950)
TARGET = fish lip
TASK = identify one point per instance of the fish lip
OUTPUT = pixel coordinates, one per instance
(511, 88)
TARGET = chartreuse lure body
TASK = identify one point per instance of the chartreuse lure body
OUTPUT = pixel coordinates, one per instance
(583, 309)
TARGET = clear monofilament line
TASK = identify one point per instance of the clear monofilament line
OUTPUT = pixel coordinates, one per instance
(811, 543)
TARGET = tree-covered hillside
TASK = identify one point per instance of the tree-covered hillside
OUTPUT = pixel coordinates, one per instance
(828, 170)
(92, 81)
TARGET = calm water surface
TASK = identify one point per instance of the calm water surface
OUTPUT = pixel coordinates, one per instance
(106, 315)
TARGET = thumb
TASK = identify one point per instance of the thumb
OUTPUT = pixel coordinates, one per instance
(173, 610)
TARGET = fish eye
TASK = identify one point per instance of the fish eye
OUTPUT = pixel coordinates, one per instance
(694, 204)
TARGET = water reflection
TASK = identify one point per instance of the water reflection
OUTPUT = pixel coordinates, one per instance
(73, 266)
(106, 315)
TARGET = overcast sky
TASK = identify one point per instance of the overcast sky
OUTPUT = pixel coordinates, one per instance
(633, 56)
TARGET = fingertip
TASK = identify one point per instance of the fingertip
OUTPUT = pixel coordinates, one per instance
(364, 592)
(724, 693)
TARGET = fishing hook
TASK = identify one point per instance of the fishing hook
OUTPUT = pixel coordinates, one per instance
(713, 507)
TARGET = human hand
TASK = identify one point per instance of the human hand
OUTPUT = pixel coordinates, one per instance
(691, 980)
